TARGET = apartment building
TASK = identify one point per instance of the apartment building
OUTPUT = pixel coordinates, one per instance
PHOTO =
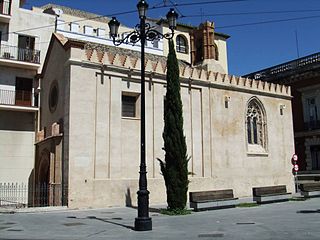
(22, 52)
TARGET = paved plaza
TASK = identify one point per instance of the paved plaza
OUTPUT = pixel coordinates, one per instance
(288, 220)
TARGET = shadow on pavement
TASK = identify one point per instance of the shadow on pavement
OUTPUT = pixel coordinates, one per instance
(309, 211)
(111, 222)
(153, 210)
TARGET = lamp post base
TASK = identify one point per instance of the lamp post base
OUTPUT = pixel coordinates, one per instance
(143, 224)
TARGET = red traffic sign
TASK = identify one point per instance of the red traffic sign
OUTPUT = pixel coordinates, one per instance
(295, 157)
(296, 167)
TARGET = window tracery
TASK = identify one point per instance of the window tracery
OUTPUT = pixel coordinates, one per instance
(256, 124)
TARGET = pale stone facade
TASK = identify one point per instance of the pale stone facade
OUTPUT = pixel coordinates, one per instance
(101, 147)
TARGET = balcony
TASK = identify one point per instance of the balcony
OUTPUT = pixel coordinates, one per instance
(18, 99)
(5, 10)
(19, 54)
(14, 56)
(312, 125)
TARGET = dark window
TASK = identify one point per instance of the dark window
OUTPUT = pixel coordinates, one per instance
(315, 156)
(313, 111)
(129, 106)
(216, 52)
(181, 44)
(53, 96)
(255, 131)
(26, 42)
(23, 94)
(25, 48)
(5, 7)
(249, 130)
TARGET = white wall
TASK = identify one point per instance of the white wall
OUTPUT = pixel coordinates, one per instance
(17, 139)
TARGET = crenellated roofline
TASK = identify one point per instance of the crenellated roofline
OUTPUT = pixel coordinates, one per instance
(127, 59)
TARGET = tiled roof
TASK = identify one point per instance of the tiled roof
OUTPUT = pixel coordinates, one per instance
(77, 13)
(116, 50)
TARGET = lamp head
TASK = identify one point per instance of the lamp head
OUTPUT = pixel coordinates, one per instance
(142, 8)
(114, 27)
(172, 18)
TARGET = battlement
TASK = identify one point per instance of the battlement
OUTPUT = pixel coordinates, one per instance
(158, 65)
(107, 55)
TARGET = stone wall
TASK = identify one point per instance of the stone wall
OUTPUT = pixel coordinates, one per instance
(103, 146)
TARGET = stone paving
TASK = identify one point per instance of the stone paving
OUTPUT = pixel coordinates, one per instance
(288, 220)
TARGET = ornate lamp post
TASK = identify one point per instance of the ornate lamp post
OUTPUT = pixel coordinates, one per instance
(143, 32)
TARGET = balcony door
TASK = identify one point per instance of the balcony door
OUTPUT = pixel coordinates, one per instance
(313, 118)
(24, 92)
(25, 48)
(2, 10)
(315, 156)
(5, 7)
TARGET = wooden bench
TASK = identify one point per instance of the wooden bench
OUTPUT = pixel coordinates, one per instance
(206, 200)
(310, 189)
(270, 194)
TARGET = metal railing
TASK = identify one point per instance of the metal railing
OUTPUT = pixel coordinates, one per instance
(285, 68)
(21, 195)
(16, 98)
(19, 54)
(5, 7)
(312, 125)
(13, 194)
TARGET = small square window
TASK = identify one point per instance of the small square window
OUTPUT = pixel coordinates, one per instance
(129, 106)
(155, 43)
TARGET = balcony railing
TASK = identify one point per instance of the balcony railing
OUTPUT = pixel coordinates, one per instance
(19, 54)
(312, 125)
(16, 98)
(5, 7)
(299, 64)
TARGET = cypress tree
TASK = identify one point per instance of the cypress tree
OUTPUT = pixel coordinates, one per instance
(175, 166)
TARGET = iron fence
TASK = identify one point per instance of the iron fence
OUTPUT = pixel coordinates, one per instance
(21, 195)
(19, 54)
(13, 194)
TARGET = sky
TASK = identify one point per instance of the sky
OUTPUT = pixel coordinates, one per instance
(263, 33)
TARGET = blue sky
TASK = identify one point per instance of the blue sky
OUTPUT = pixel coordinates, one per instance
(250, 47)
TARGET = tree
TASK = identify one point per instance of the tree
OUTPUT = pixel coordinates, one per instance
(175, 166)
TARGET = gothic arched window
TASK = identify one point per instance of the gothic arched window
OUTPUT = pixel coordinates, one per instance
(256, 125)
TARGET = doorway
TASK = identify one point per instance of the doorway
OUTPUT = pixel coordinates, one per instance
(26, 46)
(315, 157)
(23, 92)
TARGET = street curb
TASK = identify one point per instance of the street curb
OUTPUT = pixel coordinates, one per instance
(34, 210)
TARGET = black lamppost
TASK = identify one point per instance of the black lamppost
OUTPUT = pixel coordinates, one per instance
(143, 32)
